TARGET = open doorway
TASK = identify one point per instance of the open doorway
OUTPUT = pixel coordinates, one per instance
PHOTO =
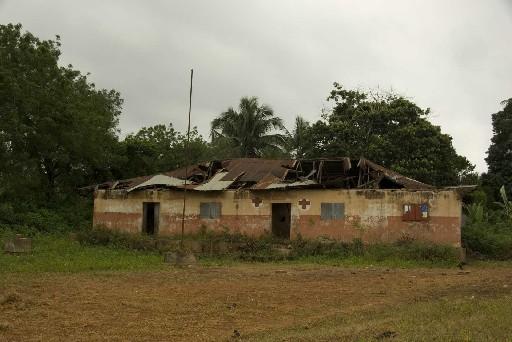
(151, 218)
(281, 214)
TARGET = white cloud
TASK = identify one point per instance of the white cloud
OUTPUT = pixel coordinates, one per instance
(453, 57)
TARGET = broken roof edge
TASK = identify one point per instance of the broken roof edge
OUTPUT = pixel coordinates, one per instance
(461, 190)
(215, 183)
(398, 178)
(268, 174)
(159, 180)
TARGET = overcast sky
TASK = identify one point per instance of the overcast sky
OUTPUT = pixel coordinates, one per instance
(452, 56)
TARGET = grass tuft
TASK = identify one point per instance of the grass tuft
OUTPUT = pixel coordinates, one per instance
(10, 299)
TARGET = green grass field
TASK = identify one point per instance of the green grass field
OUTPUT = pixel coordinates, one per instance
(59, 253)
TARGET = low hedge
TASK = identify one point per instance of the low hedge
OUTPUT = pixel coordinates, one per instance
(267, 248)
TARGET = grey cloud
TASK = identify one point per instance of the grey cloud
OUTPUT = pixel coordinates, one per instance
(453, 57)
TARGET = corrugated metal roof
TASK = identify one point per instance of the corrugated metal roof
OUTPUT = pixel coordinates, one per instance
(404, 181)
(192, 169)
(262, 174)
(159, 180)
(306, 183)
(255, 169)
(215, 183)
(265, 182)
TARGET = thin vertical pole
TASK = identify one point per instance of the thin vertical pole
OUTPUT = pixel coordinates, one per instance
(186, 161)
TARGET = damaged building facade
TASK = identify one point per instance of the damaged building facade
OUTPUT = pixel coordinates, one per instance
(341, 199)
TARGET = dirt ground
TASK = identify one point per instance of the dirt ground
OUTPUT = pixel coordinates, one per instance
(206, 303)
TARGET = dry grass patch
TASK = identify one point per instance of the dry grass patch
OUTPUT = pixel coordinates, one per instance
(255, 301)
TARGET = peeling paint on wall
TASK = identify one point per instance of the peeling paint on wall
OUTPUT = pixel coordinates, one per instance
(374, 218)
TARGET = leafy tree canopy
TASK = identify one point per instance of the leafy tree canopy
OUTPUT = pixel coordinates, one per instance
(499, 155)
(250, 130)
(56, 129)
(390, 130)
(161, 148)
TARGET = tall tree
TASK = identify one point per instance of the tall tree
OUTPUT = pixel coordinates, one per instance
(160, 148)
(390, 130)
(297, 141)
(57, 131)
(250, 131)
(499, 155)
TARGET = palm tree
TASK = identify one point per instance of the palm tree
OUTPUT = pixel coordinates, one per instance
(297, 140)
(249, 129)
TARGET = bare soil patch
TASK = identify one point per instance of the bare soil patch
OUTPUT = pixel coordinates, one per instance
(205, 303)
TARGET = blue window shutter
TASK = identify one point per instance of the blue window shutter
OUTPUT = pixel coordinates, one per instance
(332, 211)
(338, 211)
(214, 210)
(204, 210)
(325, 211)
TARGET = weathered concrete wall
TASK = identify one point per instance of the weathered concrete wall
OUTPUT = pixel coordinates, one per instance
(372, 215)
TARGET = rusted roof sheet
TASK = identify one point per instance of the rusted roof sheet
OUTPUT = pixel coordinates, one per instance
(406, 182)
(263, 174)
(255, 169)
(265, 182)
(192, 169)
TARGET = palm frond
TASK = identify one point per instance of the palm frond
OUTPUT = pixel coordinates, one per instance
(249, 129)
(475, 212)
(505, 203)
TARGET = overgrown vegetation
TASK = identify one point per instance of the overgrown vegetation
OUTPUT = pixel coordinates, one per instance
(99, 249)
(30, 219)
(506, 204)
(224, 247)
(488, 232)
(489, 240)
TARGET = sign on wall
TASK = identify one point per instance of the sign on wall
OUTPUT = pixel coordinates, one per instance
(304, 204)
(257, 202)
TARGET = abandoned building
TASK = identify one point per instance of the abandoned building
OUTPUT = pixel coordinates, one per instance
(340, 198)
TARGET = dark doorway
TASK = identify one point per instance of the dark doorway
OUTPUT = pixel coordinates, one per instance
(151, 218)
(281, 214)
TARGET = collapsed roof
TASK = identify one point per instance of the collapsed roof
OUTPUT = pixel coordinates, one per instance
(272, 174)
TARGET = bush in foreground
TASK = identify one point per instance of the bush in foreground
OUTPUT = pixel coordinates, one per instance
(487, 232)
(401, 250)
(267, 248)
(106, 237)
(488, 240)
(30, 219)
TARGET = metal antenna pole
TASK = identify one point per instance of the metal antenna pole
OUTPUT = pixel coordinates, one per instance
(186, 162)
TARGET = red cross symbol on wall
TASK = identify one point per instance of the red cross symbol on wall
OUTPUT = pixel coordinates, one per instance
(256, 201)
(304, 203)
